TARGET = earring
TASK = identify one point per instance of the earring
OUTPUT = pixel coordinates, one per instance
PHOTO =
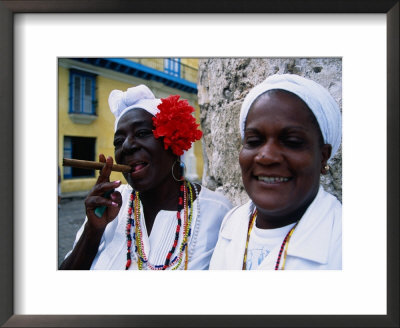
(182, 170)
(326, 167)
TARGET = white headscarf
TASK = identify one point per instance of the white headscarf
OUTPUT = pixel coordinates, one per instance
(317, 98)
(136, 97)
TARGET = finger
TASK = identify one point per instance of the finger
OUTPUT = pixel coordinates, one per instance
(102, 159)
(100, 188)
(105, 171)
(116, 197)
(113, 211)
(93, 202)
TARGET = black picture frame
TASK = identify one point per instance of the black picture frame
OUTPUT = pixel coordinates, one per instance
(7, 11)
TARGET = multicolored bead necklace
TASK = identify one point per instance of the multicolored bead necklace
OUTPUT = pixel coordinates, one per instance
(194, 233)
(283, 248)
(249, 228)
(184, 203)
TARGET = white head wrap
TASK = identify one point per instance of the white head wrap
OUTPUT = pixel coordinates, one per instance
(317, 98)
(136, 97)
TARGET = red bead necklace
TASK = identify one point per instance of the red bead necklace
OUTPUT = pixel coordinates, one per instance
(129, 225)
(134, 206)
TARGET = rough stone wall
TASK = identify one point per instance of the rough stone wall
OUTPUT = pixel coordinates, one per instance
(223, 84)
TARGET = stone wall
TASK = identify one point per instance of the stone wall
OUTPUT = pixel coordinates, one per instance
(223, 84)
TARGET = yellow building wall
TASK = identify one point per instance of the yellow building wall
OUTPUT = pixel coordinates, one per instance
(103, 127)
(192, 62)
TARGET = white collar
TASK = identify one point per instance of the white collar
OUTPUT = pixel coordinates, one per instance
(310, 239)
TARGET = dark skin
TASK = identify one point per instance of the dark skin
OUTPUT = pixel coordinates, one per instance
(85, 250)
(135, 145)
(282, 158)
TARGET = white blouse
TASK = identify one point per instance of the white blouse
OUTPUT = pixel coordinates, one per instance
(316, 243)
(208, 211)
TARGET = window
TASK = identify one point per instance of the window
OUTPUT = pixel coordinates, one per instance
(172, 66)
(79, 148)
(82, 86)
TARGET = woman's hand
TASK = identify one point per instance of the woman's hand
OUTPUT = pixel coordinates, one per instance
(96, 197)
(87, 246)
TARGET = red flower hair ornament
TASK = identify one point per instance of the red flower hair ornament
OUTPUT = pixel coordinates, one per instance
(176, 124)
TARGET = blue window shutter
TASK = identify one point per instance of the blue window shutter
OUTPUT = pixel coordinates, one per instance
(77, 94)
(172, 66)
(67, 154)
(87, 96)
(82, 90)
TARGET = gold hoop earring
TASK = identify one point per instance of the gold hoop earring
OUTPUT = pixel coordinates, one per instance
(182, 168)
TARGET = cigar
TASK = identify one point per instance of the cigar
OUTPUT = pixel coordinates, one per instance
(90, 165)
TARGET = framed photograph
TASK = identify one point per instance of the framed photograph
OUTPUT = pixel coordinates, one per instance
(35, 34)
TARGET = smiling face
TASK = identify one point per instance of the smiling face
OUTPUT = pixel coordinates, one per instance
(282, 156)
(135, 145)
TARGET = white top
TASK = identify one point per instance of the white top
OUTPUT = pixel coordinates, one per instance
(113, 245)
(262, 241)
(315, 244)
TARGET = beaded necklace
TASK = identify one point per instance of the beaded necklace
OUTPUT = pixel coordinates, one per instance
(184, 203)
(249, 228)
(195, 231)
(283, 247)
